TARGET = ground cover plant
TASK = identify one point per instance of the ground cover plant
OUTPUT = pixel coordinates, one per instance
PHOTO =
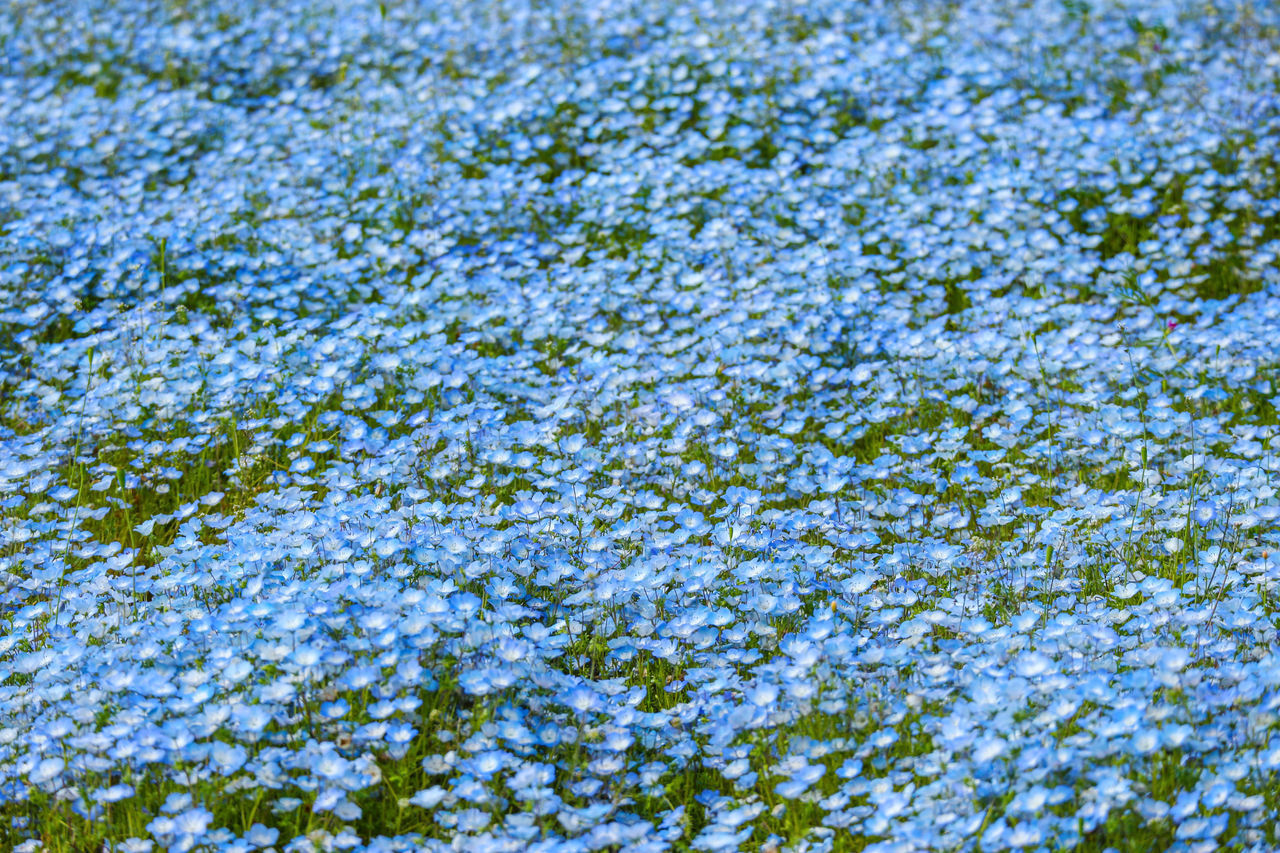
(639, 426)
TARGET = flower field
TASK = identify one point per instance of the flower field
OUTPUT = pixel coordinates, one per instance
(791, 425)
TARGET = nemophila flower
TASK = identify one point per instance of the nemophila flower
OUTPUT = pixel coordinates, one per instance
(45, 771)
(335, 710)
(261, 836)
(605, 326)
(328, 800)
(284, 805)
(227, 758)
(382, 709)
(801, 780)
(1205, 513)
(480, 682)
(114, 793)
(137, 845)
(512, 650)
(251, 718)
(192, 822)
(582, 700)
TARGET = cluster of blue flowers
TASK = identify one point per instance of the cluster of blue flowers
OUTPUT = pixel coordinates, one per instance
(580, 426)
